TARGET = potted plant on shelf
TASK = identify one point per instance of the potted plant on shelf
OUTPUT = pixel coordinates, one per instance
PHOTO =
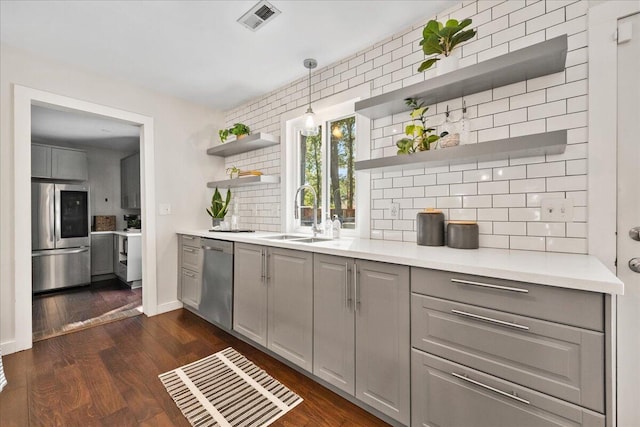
(218, 209)
(440, 40)
(233, 172)
(240, 130)
(419, 136)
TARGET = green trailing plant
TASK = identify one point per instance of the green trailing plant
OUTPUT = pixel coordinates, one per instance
(218, 208)
(440, 39)
(419, 136)
(238, 129)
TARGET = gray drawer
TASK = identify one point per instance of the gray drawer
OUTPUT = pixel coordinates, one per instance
(440, 398)
(192, 241)
(191, 258)
(568, 306)
(559, 360)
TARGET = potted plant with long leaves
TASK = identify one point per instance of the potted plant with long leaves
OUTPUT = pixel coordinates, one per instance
(440, 40)
(419, 135)
(240, 130)
(218, 209)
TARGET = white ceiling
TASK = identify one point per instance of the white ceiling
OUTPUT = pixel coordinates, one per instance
(196, 50)
(83, 129)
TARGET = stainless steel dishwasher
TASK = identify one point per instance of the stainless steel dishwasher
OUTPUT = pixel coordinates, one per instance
(216, 291)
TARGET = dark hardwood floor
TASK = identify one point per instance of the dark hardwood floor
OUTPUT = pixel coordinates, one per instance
(107, 376)
(57, 312)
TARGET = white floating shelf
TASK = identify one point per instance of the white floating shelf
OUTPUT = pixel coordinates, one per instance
(245, 180)
(500, 149)
(544, 58)
(248, 143)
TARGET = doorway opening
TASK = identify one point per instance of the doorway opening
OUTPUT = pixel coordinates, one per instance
(85, 183)
(27, 100)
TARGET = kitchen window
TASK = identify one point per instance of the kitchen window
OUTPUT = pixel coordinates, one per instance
(327, 163)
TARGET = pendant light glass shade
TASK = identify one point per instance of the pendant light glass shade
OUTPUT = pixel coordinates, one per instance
(310, 126)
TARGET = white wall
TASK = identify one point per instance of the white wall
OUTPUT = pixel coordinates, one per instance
(504, 197)
(182, 133)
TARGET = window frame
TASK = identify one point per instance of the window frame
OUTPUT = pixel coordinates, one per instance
(335, 108)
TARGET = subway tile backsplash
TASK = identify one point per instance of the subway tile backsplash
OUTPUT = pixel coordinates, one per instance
(505, 197)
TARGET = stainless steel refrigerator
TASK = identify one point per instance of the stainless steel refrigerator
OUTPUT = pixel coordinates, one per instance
(60, 236)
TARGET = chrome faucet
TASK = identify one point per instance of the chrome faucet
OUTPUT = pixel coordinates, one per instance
(296, 212)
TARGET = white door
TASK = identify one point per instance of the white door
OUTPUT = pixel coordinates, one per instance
(628, 218)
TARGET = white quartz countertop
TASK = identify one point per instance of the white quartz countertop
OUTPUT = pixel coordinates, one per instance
(582, 272)
(120, 233)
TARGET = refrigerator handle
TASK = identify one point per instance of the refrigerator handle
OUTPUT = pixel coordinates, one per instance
(59, 252)
(52, 225)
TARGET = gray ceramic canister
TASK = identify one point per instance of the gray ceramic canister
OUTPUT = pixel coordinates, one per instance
(462, 235)
(430, 228)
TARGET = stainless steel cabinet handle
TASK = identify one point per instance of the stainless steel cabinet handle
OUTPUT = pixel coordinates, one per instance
(186, 273)
(190, 250)
(488, 387)
(211, 248)
(263, 274)
(490, 320)
(487, 285)
(347, 300)
(188, 237)
(266, 265)
(356, 290)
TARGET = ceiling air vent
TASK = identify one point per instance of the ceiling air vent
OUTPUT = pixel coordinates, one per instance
(259, 15)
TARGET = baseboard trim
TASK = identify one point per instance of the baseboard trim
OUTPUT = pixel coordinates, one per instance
(167, 307)
(8, 347)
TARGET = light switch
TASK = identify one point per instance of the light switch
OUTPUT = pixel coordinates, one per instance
(164, 209)
(394, 211)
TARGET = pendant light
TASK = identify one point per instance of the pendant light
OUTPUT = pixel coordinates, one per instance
(310, 126)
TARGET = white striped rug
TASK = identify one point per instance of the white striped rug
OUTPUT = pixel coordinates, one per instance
(227, 390)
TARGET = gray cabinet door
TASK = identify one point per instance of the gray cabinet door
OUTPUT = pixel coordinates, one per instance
(190, 294)
(333, 321)
(290, 305)
(382, 337)
(446, 394)
(101, 254)
(250, 292)
(69, 164)
(40, 161)
(130, 182)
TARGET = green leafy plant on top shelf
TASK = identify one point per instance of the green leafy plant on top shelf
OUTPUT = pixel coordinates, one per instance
(419, 136)
(240, 130)
(218, 208)
(440, 39)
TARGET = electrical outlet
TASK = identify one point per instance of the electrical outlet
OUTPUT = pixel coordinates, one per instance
(556, 210)
(394, 211)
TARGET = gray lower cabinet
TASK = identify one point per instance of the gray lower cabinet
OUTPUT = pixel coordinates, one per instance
(190, 271)
(361, 331)
(495, 352)
(447, 394)
(334, 333)
(250, 292)
(272, 300)
(101, 254)
(290, 305)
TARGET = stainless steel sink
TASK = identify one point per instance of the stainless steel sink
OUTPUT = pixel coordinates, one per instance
(284, 237)
(313, 240)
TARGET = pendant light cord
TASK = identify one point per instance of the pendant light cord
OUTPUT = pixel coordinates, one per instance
(309, 84)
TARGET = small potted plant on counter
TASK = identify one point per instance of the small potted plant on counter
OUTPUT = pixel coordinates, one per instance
(420, 137)
(440, 40)
(240, 130)
(218, 209)
(233, 172)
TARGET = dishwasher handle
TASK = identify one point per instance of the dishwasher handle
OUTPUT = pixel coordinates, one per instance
(217, 246)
